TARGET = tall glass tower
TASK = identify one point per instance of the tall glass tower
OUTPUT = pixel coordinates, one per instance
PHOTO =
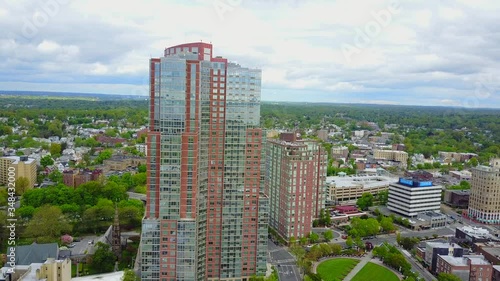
(206, 215)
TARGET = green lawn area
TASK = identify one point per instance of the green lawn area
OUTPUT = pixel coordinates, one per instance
(375, 272)
(336, 269)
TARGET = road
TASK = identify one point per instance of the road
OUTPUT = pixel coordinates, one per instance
(83, 247)
(283, 261)
(139, 196)
(417, 267)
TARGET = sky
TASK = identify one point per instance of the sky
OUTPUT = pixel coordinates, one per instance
(407, 52)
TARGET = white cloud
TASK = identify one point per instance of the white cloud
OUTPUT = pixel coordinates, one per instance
(450, 14)
(422, 53)
(48, 46)
(98, 69)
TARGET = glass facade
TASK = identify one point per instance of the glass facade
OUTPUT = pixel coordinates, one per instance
(205, 169)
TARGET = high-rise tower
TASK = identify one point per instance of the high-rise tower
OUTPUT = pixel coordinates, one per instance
(484, 201)
(206, 217)
(295, 184)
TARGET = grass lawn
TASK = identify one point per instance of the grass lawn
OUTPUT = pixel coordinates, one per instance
(375, 272)
(336, 269)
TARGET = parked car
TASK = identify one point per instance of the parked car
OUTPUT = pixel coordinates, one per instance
(71, 245)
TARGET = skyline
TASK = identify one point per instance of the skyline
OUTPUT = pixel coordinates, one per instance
(382, 52)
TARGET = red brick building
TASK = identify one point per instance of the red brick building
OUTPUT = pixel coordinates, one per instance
(295, 183)
(75, 178)
(468, 267)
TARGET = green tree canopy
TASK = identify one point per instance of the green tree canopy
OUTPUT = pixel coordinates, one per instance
(365, 201)
(447, 277)
(103, 260)
(47, 222)
(46, 161)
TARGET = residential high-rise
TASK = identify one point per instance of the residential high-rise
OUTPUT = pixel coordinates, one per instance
(295, 184)
(21, 166)
(206, 218)
(484, 199)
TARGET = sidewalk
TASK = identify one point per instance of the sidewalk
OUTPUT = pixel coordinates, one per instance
(359, 266)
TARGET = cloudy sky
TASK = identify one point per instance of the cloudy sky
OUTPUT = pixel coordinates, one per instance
(357, 51)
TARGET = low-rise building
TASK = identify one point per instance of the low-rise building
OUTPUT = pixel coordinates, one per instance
(490, 250)
(472, 234)
(428, 220)
(342, 189)
(75, 178)
(122, 162)
(496, 273)
(50, 270)
(340, 152)
(433, 249)
(391, 155)
(467, 267)
(457, 198)
(461, 175)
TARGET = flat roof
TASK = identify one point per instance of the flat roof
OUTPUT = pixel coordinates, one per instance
(478, 260)
(17, 159)
(494, 251)
(115, 276)
(31, 276)
(455, 261)
(369, 181)
(443, 245)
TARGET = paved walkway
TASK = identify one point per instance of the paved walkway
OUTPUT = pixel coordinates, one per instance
(359, 266)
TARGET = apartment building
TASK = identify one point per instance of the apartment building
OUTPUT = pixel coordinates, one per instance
(295, 184)
(22, 166)
(484, 199)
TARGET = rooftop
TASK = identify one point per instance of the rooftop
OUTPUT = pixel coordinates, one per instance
(477, 260)
(492, 250)
(31, 276)
(455, 261)
(443, 245)
(365, 181)
(474, 231)
(115, 276)
(16, 159)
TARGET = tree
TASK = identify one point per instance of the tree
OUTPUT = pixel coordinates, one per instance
(335, 249)
(22, 184)
(105, 154)
(387, 224)
(129, 275)
(47, 222)
(348, 242)
(473, 162)
(298, 251)
(383, 197)
(313, 237)
(46, 161)
(56, 176)
(103, 259)
(362, 228)
(328, 235)
(365, 201)
(447, 277)
(55, 149)
(141, 168)
(359, 243)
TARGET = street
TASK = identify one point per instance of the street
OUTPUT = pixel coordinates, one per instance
(283, 261)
